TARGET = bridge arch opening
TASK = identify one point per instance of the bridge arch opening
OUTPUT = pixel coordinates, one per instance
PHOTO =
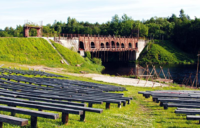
(102, 45)
(107, 45)
(122, 45)
(136, 45)
(117, 44)
(130, 45)
(92, 45)
(81, 45)
(113, 44)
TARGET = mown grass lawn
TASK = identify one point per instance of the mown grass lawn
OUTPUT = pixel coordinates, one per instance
(141, 113)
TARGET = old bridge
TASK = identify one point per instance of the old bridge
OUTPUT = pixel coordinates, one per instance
(104, 47)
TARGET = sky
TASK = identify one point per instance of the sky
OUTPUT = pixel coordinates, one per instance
(17, 12)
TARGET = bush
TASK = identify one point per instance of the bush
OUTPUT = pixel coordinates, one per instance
(88, 55)
(97, 61)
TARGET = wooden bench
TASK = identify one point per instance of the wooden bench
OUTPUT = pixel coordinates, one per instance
(108, 100)
(84, 109)
(95, 97)
(65, 112)
(166, 105)
(12, 120)
(52, 97)
(193, 117)
(32, 113)
(177, 100)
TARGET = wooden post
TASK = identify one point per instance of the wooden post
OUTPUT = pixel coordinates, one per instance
(162, 72)
(107, 105)
(183, 80)
(189, 79)
(90, 105)
(1, 124)
(33, 121)
(82, 117)
(197, 70)
(65, 117)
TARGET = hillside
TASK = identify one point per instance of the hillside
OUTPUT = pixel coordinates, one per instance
(73, 58)
(164, 52)
(37, 51)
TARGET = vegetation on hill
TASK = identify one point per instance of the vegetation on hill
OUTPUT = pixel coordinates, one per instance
(38, 51)
(29, 51)
(164, 52)
(74, 59)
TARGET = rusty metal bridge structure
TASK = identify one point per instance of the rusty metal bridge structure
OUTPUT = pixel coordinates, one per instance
(102, 46)
(102, 43)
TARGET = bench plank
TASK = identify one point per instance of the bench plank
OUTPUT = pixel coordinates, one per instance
(13, 120)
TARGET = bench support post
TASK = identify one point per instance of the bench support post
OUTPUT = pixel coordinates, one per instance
(82, 117)
(90, 105)
(119, 105)
(124, 103)
(12, 113)
(65, 117)
(165, 106)
(107, 105)
(1, 124)
(33, 121)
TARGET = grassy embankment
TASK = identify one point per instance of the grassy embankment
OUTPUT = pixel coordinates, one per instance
(140, 113)
(164, 53)
(73, 58)
(37, 51)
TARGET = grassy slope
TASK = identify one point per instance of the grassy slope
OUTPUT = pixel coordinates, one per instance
(140, 113)
(35, 51)
(74, 58)
(164, 52)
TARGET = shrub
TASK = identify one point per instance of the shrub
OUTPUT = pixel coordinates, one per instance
(97, 61)
(88, 55)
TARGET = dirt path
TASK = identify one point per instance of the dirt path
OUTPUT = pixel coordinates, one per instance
(99, 77)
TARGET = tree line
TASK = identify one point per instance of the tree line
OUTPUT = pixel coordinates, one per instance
(181, 30)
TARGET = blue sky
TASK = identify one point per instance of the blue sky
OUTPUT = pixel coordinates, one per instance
(15, 12)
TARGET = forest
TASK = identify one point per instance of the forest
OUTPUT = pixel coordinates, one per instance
(181, 30)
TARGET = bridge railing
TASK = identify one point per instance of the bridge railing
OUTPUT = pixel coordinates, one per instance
(88, 35)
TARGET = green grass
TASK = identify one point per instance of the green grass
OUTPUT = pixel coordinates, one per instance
(73, 58)
(140, 113)
(164, 52)
(37, 51)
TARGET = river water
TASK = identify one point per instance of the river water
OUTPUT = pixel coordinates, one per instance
(178, 72)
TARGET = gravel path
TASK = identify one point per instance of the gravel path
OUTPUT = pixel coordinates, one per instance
(104, 78)
(120, 80)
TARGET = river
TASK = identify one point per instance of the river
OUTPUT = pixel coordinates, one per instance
(178, 72)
